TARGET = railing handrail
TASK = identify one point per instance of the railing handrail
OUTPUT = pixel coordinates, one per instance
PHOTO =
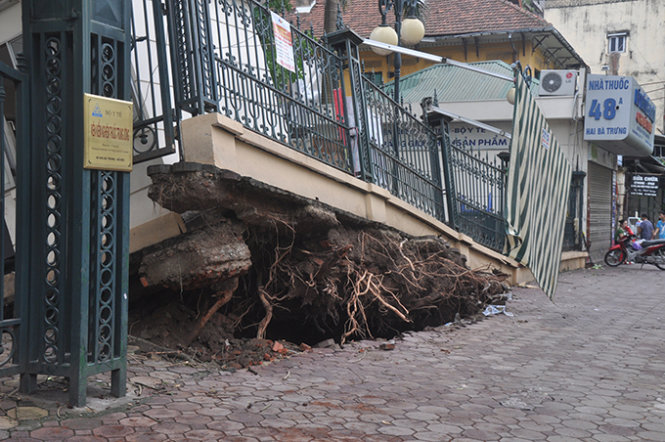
(229, 64)
(403, 110)
(469, 153)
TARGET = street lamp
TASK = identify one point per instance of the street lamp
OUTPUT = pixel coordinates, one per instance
(408, 32)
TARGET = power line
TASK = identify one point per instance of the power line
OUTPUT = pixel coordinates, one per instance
(652, 82)
(655, 90)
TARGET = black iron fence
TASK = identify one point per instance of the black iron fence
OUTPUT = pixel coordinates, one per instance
(13, 308)
(404, 153)
(227, 60)
(477, 193)
(155, 126)
(224, 58)
(572, 231)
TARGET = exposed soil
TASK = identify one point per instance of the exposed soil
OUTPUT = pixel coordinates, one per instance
(261, 271)
(163, 332)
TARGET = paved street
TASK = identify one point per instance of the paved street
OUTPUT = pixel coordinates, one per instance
(589, 366)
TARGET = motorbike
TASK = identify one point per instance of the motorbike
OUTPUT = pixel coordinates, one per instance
(629, 250)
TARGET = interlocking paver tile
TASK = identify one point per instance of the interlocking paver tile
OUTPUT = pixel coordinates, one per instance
(86, 438)
(651, 435)
(148, 437)
(137, 421)
(529, 434)
(572, 432)
(609, 438)
(82, 423)
(395, 430)
(587, 366)
(616, 429)
(183, 406)
(52, 433)
(171, 428)
(111, 431)
(444, 429)
(205, 435)
(579, 424)
(245, 417)
(160, 413)
(420, 416)
(113, 417)
(476, 434)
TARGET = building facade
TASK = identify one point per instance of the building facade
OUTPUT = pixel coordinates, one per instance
(620, 37)
(463, 30)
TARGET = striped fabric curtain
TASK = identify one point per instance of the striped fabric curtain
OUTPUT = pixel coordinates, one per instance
(537, 193)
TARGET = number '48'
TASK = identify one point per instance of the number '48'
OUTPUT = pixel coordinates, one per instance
(609, 109)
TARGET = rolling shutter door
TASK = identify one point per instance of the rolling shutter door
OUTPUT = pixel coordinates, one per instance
(600, 211)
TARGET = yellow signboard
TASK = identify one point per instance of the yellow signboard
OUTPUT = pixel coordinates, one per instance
(109, 134)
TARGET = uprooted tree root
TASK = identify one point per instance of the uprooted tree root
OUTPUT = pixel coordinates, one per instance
(305, 271)
(365, 283)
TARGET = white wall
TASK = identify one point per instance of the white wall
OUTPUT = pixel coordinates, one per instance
(142, 209)
(562, 115)
(10, 23)
(586, 23)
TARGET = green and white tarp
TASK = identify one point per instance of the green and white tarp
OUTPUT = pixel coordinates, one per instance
(537, 193)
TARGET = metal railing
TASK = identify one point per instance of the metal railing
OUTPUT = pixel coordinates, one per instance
(477, 194)
(572, 237)
(13, 308)
(224, 58)
(155, 132)
(404, 153)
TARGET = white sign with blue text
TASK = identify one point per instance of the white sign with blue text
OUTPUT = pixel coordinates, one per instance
(619, 116)
(467, 136)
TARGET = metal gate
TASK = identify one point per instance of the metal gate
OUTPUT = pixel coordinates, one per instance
(600, 210)
(476, 190)
(572, 232)
(13, 304)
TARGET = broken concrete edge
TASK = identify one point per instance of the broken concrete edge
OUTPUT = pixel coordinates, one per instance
(253, 184)
(156, 231)
(517, 273)
(96, 407)
(217, 140)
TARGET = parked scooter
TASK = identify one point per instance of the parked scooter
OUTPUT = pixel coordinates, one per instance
(629, 250)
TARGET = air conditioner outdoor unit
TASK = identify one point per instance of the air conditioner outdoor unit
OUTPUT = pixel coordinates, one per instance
(557, 82)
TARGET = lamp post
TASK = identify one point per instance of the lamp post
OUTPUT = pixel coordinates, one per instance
(407, 32)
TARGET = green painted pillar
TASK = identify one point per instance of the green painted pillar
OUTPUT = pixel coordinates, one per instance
(79, 218)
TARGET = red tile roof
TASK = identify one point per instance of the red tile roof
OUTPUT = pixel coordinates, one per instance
(442, 17)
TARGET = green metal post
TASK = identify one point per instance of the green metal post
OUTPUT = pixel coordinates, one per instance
(345, 43)
(439, 124)
(79, 218)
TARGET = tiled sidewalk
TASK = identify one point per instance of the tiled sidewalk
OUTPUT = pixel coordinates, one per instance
(589, 366)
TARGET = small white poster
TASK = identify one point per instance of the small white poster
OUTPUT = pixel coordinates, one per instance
(283, 42)
(546, 138)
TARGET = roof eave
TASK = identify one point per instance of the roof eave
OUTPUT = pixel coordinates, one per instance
(548, 29)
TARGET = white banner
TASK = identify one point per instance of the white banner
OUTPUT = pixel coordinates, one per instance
(283, 42)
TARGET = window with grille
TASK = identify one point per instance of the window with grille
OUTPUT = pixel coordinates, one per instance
(616, 42)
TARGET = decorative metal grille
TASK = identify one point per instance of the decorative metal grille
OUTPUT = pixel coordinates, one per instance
(73, 223)
(403, 152)
(478, 194)
(104, 197)
(53, 350)
(572, 233)
(225, 60)
(8, 338)
(154, 124)
(13, 308)
(102, 281)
